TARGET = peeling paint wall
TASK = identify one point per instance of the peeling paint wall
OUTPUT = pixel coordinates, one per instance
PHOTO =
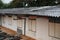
(9, 22)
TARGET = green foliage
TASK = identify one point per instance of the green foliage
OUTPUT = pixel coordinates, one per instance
(1, 4)
(16, 3)
(31, 3)
(5, 6)
(42, 3)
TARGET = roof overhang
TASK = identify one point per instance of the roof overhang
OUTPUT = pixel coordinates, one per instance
(53, 11)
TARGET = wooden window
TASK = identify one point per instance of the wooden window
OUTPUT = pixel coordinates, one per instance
(57, 30)
(51, 29)
(10, 21)
(54, 28)
(29, 25)
(20, 23)
(32, 25)
(3, 20)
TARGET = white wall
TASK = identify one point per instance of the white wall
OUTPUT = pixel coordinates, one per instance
(41, 29)
(42, 25)
(8, 22)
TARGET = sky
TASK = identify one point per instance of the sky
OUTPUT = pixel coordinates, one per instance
(6, 1)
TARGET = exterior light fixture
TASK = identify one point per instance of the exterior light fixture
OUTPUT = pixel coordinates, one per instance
(35, 0)
(56, 2)
(26, 4)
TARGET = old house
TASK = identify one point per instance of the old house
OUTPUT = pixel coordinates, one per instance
(40, 23)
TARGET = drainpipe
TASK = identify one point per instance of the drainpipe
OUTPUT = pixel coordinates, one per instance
(1, 20)
(24, 26)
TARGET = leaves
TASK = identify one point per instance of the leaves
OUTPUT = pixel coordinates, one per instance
(1, 4)
(31, 3)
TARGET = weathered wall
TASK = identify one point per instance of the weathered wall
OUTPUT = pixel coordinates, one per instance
(8, 22)
(41, 29)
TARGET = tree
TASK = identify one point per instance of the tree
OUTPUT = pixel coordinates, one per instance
(1, 4)
(16, 3)
(32, 3)
(5, 6)
(39, 3)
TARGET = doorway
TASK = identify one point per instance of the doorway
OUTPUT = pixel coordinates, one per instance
(20, 26)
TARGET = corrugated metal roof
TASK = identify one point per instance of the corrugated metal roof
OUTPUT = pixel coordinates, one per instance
(44, 11)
